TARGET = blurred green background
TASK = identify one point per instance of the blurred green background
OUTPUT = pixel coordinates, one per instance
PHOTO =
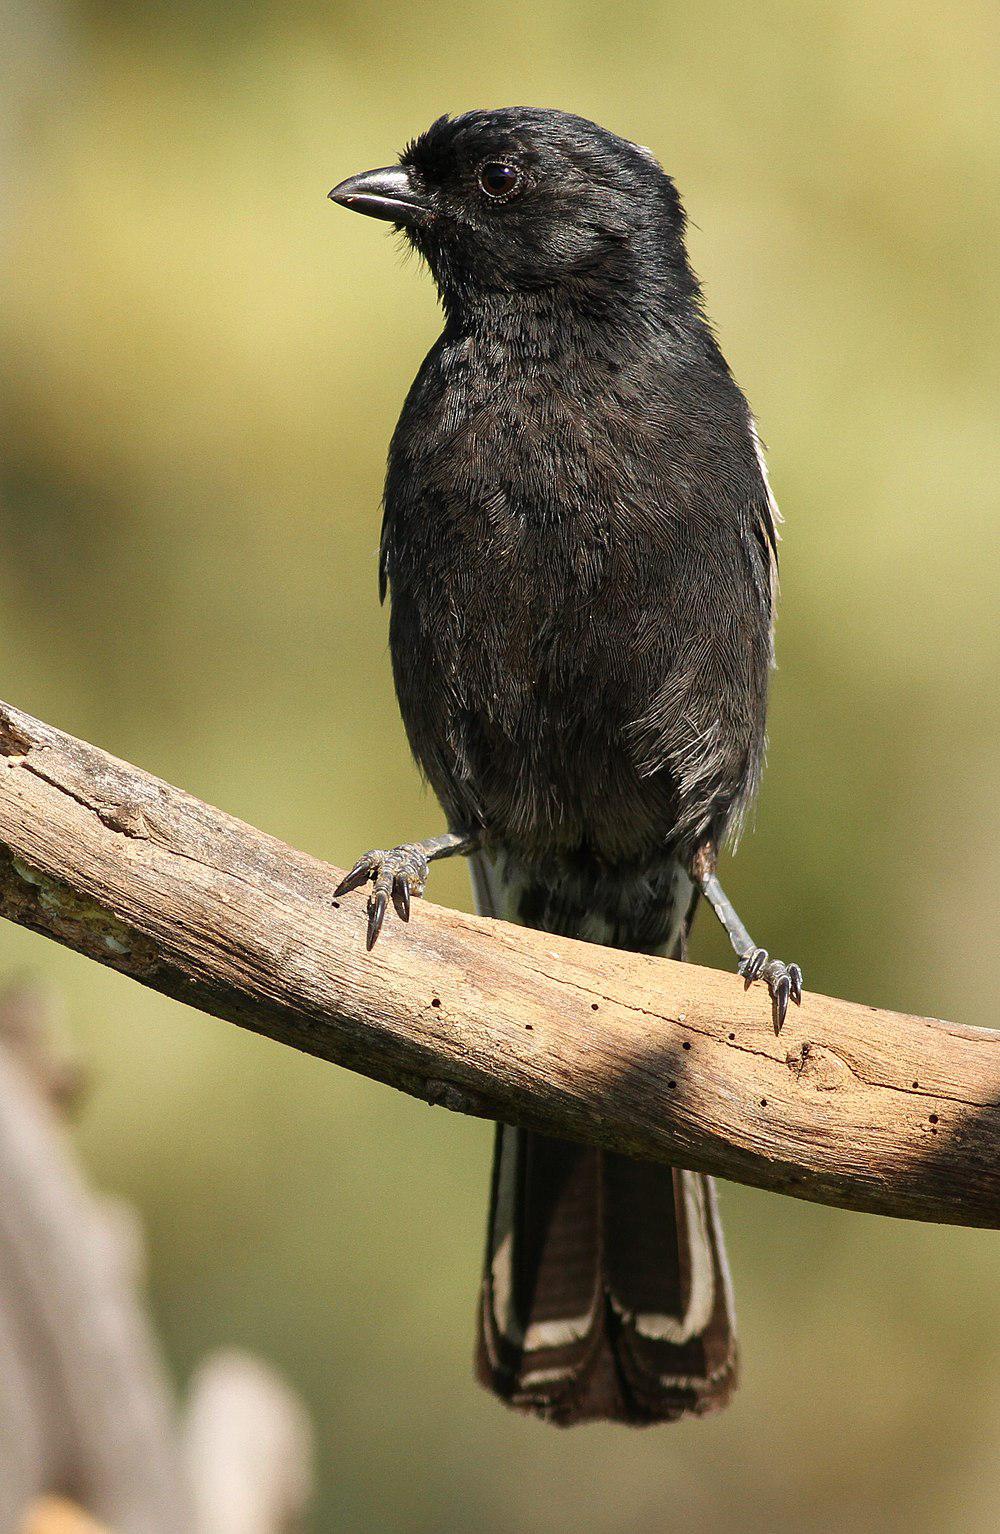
(202, 363)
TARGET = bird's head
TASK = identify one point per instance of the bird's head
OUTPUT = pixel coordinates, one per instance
(523, 199)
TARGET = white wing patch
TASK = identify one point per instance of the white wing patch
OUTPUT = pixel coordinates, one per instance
(772, 504)
(647, 154)
(772, 534)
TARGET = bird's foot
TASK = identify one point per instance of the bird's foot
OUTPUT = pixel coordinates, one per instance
(396, 875)
(784, 981)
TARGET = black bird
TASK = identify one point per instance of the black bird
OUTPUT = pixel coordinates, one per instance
(580, 543)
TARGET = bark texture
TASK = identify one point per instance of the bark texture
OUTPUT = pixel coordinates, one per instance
(850, 1105)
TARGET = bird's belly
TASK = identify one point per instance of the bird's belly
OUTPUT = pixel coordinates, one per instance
(645, 913)
(549, 759)
(544, 698)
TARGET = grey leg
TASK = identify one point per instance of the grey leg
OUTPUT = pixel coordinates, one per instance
(400, 874)
(784, 981)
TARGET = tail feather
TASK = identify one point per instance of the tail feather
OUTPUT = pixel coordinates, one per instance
(675, 1341)
(606, 1292)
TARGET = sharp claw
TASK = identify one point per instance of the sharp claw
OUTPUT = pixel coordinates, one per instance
(397, 875)
(795, 976)
(781, 993)
(376, 914)
(401, 897)
(754, 964)
(359, 874)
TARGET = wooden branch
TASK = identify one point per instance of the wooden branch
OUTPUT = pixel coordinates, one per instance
(853, 1106)
(85, 1408)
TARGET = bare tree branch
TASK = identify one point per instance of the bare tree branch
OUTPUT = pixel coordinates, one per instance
(851, 1105)
(85, 1409)
(84, 1406)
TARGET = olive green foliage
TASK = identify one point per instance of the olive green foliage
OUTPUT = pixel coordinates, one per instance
(202, 362)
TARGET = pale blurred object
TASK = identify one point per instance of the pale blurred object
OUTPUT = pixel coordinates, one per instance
(249, 1448)
(54, 1515)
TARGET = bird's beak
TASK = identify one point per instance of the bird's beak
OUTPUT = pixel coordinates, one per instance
(391, 193)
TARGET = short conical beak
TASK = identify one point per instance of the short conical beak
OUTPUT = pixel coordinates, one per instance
(391, 193)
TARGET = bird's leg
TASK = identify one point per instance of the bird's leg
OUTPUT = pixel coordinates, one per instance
(784, 981)
(401, 873)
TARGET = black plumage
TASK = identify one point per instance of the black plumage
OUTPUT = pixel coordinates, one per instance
(579, 541)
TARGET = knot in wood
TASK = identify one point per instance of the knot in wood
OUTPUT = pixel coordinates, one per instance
(444, 1094)
(813, 1065)
(124, 816)
(13, 740)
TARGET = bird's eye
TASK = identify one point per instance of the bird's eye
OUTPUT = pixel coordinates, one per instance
(498, 179)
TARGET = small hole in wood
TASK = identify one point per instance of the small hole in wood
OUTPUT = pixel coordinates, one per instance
(671, 1084)
(336, 905)
(529, 1027)
(732, 1035)
(686, 1044)
(933, 1131)
(916, 1085)
(435, 1001)
(933, 1118)
(594, 1007)
(763, 1102)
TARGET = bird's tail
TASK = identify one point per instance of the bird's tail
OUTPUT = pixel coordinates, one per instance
(606, 1291)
